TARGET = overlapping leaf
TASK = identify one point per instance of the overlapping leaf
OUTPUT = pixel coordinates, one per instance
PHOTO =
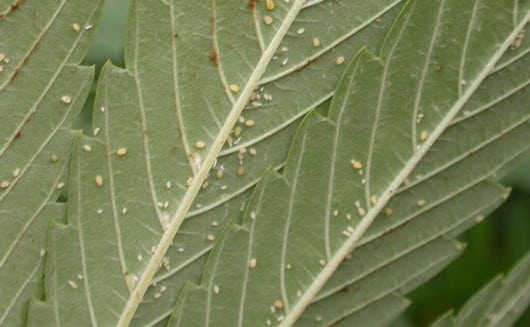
(383, 119)
(486, 150)
(42, 89)
(499, 303)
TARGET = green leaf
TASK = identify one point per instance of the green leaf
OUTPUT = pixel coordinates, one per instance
(294, 244)
(42, 89)
(144, 208)
(159, 124)
(499, 303)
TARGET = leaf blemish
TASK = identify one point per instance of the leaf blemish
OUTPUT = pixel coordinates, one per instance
(99, 180)
(252, 263)
(121, 152)
(267, 20)
(66, 99)
(270, 5)
(234, 88)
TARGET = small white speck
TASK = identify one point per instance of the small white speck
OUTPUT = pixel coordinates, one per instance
(180, 250)
(210, 237)
(168, 185)
(121, 152)
(267, 20)
(72, 284)
(96, 131)
(424, 135)
(322, 262)
(100, 211)
(253, 215)
(340, 60)
(234, 88)
(87, 147)
(60, 186)
(215, 223)
(76, 27)
(88, 27)
(16, 172)
(102, 109)
(139, 257)
(216, 289)
(300, 31)
(42, 252)
(200, 145)
(252, 263)
(66, 99)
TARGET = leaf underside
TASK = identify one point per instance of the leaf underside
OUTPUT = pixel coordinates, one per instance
(42, 89)
(384, 116)
(433, 120)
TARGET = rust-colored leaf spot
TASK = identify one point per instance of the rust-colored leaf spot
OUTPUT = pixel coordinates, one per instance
(214, 59)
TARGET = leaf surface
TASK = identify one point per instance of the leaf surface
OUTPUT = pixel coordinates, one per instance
(159, 124)
(42, 89)
(294, 243)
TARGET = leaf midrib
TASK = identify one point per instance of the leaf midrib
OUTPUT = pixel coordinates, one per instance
(145, 280)
(387, 194)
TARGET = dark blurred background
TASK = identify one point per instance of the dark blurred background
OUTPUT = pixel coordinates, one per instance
(492, 247)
